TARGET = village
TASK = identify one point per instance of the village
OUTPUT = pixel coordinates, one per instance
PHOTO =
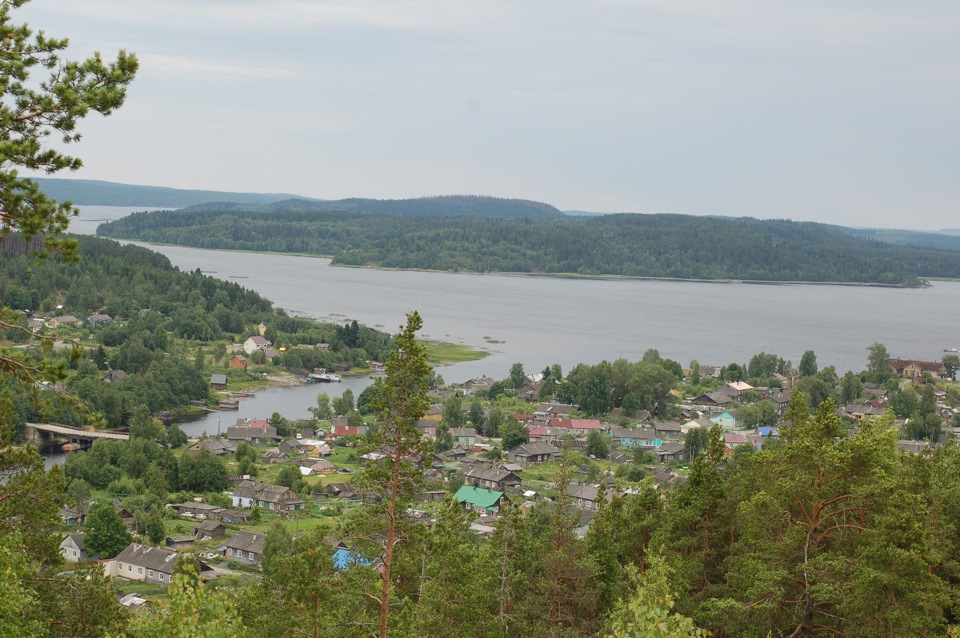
(304, 478)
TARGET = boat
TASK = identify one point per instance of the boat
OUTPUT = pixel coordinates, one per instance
(322, 376)
(953, 350)
(69, 447)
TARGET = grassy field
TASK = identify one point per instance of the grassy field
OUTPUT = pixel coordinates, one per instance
(447, 353)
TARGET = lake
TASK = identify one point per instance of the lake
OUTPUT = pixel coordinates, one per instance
(544, 320)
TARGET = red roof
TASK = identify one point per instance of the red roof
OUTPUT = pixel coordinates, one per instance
(258, 423)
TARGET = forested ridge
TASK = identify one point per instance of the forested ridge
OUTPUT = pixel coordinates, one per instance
(623, 245)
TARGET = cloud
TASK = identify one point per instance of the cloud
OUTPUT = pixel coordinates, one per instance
(233, 68)
(292, 14)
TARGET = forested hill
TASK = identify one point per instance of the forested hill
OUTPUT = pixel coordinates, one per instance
(89, 192)
(443, 205)
(628, 245)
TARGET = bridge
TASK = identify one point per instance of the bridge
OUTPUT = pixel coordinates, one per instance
(41, 434)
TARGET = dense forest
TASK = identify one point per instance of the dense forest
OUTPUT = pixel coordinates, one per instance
(625, 245)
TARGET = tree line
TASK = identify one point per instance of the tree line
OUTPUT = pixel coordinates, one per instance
(625, 245)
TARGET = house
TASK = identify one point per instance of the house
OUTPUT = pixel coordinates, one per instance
(209, 529)
(149, 564)
(671, 451)
(477, 499)
(71, 548)
(99, 320)
(780, 401)
(587, 496)
(218, 381)
(113, 376)
(626, 437)
(238, 361)
(467, 436)
(697, 424)
(245, 547)
(738, 388)
(254, 436)
(712, 399)
(914, 368)
(550, 410)
(544, 434)
(348, 430)
(341, 490)
(65, 320)
(473, 385)
(217, 447)
(271, 353)
(529, 391)
(323, 467)
(134, 604)
(274, 498)
(275, 456)
(491, 478)
(668, 430)
(34, 325)
(255, 343)
(179, 541)
(74, 515)
(726, 420)
(533, 453)
(434, 413)
(732, 440)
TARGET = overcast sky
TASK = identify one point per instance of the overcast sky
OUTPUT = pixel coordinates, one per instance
(836, 111)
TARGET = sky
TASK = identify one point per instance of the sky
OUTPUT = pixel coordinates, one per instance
(834, 111)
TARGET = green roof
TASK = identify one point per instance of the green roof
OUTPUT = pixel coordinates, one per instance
(477, 496)
(220, 379)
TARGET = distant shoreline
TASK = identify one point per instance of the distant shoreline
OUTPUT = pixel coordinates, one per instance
(762, 282)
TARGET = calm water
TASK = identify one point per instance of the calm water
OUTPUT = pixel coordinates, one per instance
(539, 321)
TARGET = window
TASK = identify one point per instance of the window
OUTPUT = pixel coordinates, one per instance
(74, 552)
(230, 551)
(129, 567)
(271, 505)
(139, 570)
(161, 578)
(120, 566)
(239, 553)
(150, 573)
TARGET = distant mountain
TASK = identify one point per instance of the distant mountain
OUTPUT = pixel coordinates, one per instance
(944, 240)
(950, 231)
(439, 206)
(91, 192)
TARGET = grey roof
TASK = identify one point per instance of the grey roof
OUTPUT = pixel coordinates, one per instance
(154, 558)
(246, 541)
(219, 379)
(76, 538)
(489, 474)
(529, 449)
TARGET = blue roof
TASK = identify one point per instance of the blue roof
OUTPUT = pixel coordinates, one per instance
(764, 430)
(345, 559)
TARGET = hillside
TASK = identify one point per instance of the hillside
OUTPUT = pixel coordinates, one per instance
(676, 246)
(443, 206)
(88, 192)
